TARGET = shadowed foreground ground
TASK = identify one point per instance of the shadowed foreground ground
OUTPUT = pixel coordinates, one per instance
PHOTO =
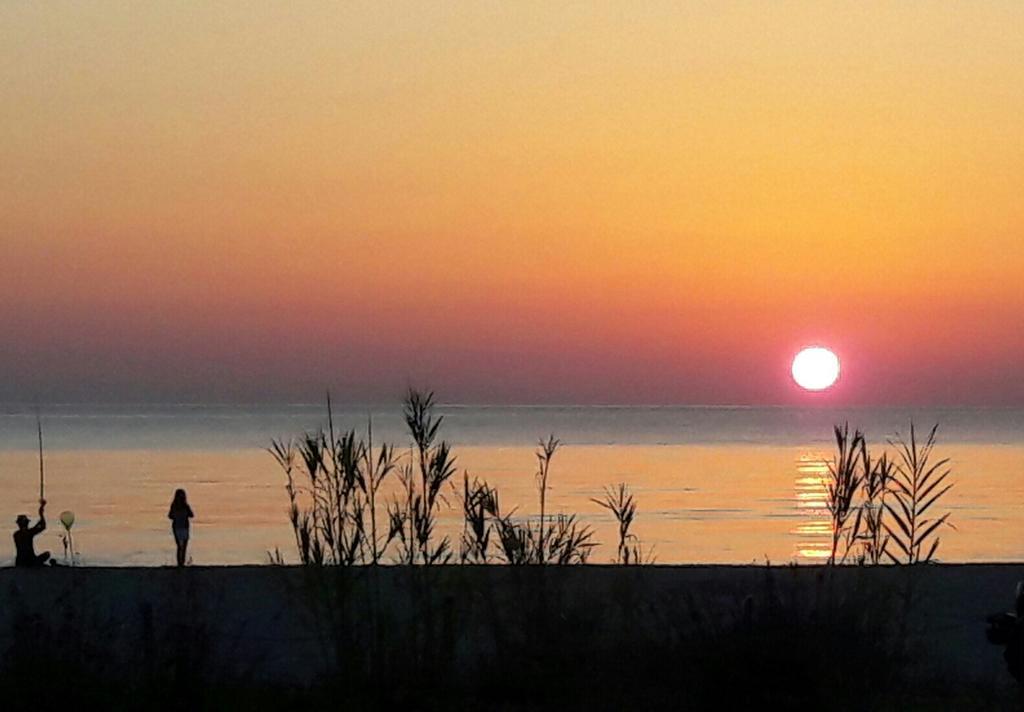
(589, 637)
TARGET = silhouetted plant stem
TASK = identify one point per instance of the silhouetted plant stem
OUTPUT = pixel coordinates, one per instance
(436, 466)
(375, 477)
(377, 468)
(845, 477)
(479, 506)
(876, 484)
(917, 486)
(621, 503)
(546, 451)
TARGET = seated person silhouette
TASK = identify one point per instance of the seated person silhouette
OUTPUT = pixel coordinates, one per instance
(23, 540)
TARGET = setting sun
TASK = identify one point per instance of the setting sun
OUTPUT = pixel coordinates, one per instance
(815, 369)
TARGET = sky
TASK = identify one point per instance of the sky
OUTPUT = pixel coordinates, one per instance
(511, 202)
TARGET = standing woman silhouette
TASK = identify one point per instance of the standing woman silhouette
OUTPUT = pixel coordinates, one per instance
(180, 514)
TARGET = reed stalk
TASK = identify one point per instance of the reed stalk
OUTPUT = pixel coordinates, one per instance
(917, 486)
(845, 475)
(622, 504)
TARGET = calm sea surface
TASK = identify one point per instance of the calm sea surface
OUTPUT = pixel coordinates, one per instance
(731, 485)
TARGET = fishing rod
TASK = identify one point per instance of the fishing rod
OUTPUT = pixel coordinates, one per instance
(42, 474)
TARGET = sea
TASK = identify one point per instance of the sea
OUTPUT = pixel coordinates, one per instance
(733, 485)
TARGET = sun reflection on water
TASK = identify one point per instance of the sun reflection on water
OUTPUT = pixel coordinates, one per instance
(814, 534)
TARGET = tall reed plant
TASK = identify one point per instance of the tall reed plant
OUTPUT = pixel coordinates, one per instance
(874, 490)
(332, 481)
(845, 475)
(413, 515)
(619, 500)
(545, 452)
(917, 486)
(882, 509)
(479, 508)
(561, 541)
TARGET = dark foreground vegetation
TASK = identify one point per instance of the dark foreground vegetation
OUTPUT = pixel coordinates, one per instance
(503, 637)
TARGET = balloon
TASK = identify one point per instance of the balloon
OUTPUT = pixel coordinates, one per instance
(67, 519)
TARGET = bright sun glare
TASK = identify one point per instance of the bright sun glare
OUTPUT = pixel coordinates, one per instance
(815, 368)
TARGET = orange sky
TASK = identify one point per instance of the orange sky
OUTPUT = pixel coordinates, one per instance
(511, 202)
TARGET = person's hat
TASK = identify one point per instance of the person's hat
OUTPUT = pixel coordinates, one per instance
(21, 518)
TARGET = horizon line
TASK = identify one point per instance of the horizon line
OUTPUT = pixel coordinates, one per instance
(33, 405)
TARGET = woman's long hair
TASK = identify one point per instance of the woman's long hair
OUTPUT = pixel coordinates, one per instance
(179, 501)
